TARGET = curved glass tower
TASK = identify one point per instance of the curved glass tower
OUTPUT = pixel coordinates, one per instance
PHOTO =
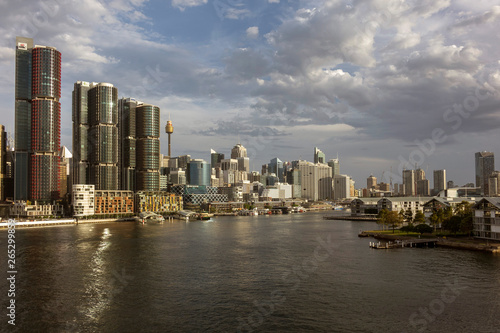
(103, 136)
(45, 123)
(148, 148)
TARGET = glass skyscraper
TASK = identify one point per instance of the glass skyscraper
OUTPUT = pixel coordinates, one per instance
(148, 148)
(38, 121)
(485, 165)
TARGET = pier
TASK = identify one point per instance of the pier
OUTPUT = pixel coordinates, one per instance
(415, 242)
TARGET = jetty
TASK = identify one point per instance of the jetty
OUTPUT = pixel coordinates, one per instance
(350, 218)
(414, 242)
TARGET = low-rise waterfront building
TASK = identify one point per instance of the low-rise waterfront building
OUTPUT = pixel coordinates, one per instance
(83, 200)
(111, 202)
(487, 218)
(364, 206)
(25, 209)
(397, 204)
(157, 202)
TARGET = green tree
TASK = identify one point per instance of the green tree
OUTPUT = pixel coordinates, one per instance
(437, 218)
(452, 224)
(393, 220)
(382, 218)
(423, 228)
(419, 217)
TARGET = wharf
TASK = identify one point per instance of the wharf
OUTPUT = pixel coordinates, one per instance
(350, 218)
(415, 242)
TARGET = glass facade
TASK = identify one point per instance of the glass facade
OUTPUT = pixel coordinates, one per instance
(148, 148)
(44, 177)
(127, 151)
(46, 69)
(80, 133)
(102, 141)
(199, 172)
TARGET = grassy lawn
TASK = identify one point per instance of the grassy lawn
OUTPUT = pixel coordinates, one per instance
(396, 232)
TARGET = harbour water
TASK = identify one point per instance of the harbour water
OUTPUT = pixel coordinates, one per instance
(285, 273)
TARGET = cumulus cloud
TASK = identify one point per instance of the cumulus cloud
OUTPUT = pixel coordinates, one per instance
(253, 32)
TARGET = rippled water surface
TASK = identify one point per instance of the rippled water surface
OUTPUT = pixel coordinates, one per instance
(289, 273)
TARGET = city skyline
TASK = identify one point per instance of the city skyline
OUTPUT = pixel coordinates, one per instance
(235, 74)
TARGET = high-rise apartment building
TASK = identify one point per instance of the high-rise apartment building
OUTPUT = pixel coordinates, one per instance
(325, 181)
(37, 121)
(342, 187)
(485, 165)
(419, 175)
(439, 181)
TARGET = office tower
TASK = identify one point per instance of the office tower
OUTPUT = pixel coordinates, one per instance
(319, 156)
(293, 178)
(423, 187)
(198, 172)
(238, 151)
(38, 119)
(276, 166)
(229, 164)
(103, 136)
(485, 165)
(342, 187)
(308, 179)
(24, 46)
(215, 158)
(419, 174)
(265, 169)
(325, 181)
(81, 127)
(371, 182)
(182, 161)
(334, 164)
(3, 155)
(127, 155)
(148, 148)
(384, 187)
(439, 181)
(243, 164)
(409, 182)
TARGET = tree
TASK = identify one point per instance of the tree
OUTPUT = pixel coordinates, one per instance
(452, 224)
(393, 219)
(382, 218)
(423, 228)
(419, 217)
(437, 218)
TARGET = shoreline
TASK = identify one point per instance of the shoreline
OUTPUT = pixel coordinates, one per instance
(459, 244)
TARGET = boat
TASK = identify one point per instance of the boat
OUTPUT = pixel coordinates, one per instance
(337, 207)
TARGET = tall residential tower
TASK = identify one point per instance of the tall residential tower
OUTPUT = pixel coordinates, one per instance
(37, 121)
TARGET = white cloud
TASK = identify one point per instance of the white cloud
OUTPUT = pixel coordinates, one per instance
(253, 32)
(183, 4)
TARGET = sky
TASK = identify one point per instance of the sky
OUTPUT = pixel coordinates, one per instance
(385, 84)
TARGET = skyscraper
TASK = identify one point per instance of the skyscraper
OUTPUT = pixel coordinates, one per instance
(319, 156)
(148, 148)
(485, 165)
(409, 182)
(334, 164)
(371, 182)
(127, 152)
(238, 151)
(37, 121)
(198, 172)
(276, 166)
(81, 127)
(215, 158)
(439, 181)
(103, 136)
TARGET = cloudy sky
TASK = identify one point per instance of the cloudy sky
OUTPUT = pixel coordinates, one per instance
(383, 83)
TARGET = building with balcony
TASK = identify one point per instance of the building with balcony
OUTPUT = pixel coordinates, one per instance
(157, 202)
(114, 202)
(487, 219)
(83, 200)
